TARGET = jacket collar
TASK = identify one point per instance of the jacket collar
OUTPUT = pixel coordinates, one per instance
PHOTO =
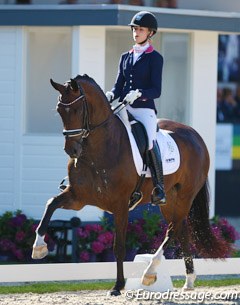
(149, 50)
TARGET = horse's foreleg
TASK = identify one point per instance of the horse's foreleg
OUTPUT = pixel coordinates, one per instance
(150, 275)
(120, 251)
(40, 249)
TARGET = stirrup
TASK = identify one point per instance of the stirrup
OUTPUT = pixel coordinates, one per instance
(63, 186)
(134, 200)
(158, 196)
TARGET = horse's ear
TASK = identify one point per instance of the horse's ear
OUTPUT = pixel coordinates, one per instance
(74, 85)
(57, 86)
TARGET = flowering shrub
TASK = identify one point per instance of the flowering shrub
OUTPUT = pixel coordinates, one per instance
(224, 229)
(17, 234)
(154, 230)
(145, 235)
(93, 240)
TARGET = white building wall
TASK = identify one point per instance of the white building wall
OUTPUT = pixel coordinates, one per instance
(43, 166)
(43, 161)
(92, 53)
(88, 57)
(8, 126)
(31, 165)
(203, 88)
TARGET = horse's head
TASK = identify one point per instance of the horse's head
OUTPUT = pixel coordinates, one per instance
(80, 110)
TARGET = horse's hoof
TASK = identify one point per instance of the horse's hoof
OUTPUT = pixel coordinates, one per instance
(185, 288)
(39, 252)
(149, 279)
(114, 292)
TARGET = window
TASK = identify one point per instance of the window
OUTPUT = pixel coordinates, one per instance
(48, 56)
(174, 101)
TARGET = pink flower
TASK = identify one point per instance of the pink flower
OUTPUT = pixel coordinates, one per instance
(84, 256)
(20, 235)
(106, 238)
(93, 228)
(18, 220)
(97, 247)
(82, 233)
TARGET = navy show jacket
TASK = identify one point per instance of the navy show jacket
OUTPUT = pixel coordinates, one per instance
(145, 75)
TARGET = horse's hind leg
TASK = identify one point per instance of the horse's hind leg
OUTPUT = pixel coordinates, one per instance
(150, 275)
(40, 247)
(190, 273)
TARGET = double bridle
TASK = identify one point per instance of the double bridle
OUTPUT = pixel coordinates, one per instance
(85, 131)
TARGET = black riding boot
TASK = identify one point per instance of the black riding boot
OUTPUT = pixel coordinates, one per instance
(155, 164)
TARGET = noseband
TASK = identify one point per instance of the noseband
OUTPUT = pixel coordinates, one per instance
(85, 131)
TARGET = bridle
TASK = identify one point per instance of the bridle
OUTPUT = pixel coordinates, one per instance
(87, 128)
(82, 132)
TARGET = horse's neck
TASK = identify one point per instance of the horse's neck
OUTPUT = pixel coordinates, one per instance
(101, 111)
(104, 144)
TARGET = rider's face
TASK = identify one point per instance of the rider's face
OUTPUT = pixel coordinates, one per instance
(140, 34)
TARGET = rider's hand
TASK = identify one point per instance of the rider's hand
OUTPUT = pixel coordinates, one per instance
(132, 96)
(110, 96)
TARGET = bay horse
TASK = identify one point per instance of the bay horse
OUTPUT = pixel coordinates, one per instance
(102, 173)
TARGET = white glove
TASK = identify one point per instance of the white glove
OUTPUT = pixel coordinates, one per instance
(132, 96)
(110, 96)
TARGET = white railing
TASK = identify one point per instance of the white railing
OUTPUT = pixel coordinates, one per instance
(108, 270)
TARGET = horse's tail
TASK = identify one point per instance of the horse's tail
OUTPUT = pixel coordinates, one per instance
(205, 242)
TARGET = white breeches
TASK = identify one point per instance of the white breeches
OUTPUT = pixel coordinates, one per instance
(149, 119)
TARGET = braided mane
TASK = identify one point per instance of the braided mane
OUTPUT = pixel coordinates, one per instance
(87, 78)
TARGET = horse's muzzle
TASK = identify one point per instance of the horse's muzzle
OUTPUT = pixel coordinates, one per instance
(73, 149)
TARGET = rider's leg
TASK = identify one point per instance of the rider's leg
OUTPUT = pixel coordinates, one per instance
(148, 118)
(158, 194)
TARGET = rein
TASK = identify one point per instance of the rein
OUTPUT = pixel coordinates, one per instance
(83, 132)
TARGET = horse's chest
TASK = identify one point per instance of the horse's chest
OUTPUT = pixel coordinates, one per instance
(100, 180)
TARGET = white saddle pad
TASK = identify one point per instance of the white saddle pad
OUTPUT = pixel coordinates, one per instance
(169, 152)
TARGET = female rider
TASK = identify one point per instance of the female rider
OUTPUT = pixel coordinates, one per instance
(139, 82)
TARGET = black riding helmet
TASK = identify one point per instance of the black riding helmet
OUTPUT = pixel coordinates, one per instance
(145, 19)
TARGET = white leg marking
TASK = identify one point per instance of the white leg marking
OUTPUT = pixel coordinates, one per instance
(39, 240)
(189, 283)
